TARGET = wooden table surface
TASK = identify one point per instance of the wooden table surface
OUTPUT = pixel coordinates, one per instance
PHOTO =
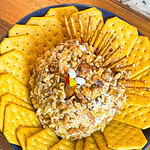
(13, 10)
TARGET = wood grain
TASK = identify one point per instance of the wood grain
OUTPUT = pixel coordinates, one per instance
(4, 145)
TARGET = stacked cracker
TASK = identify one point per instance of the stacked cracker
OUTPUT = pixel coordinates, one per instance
(116, 41)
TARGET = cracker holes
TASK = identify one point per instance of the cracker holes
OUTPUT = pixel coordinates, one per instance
(144, 50)
(43, 25)
(27, 33)
(49, 30)
(36, 45)
(84, 18)
(16, 33)
(37, 34)
(27, 43)
(129, 106)
(44, 45)
(6, 46)
(138, 109)
(54, 25)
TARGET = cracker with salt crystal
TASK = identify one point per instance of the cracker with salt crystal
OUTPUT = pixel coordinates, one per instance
(52, 28)
(139, 56)
(145, 75)
(121, 136)
(136, 116)
(7, 99)
(8, 84)
(90, 143)
(25, 44)
(126, 33)
(60, 12)
(96, 16)
(16, 116)
(79, 144)
(64, 144)
(41, 140)
(24, 132)
(14, 63)
(100, 140)
(36, 32)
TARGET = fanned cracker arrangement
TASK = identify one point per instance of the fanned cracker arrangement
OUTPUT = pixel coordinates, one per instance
(96, 74)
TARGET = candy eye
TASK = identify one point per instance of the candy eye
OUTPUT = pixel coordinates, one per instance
(72, 73)
(80, 81)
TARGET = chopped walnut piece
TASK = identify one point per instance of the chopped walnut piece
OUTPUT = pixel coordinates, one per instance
(84, 68)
